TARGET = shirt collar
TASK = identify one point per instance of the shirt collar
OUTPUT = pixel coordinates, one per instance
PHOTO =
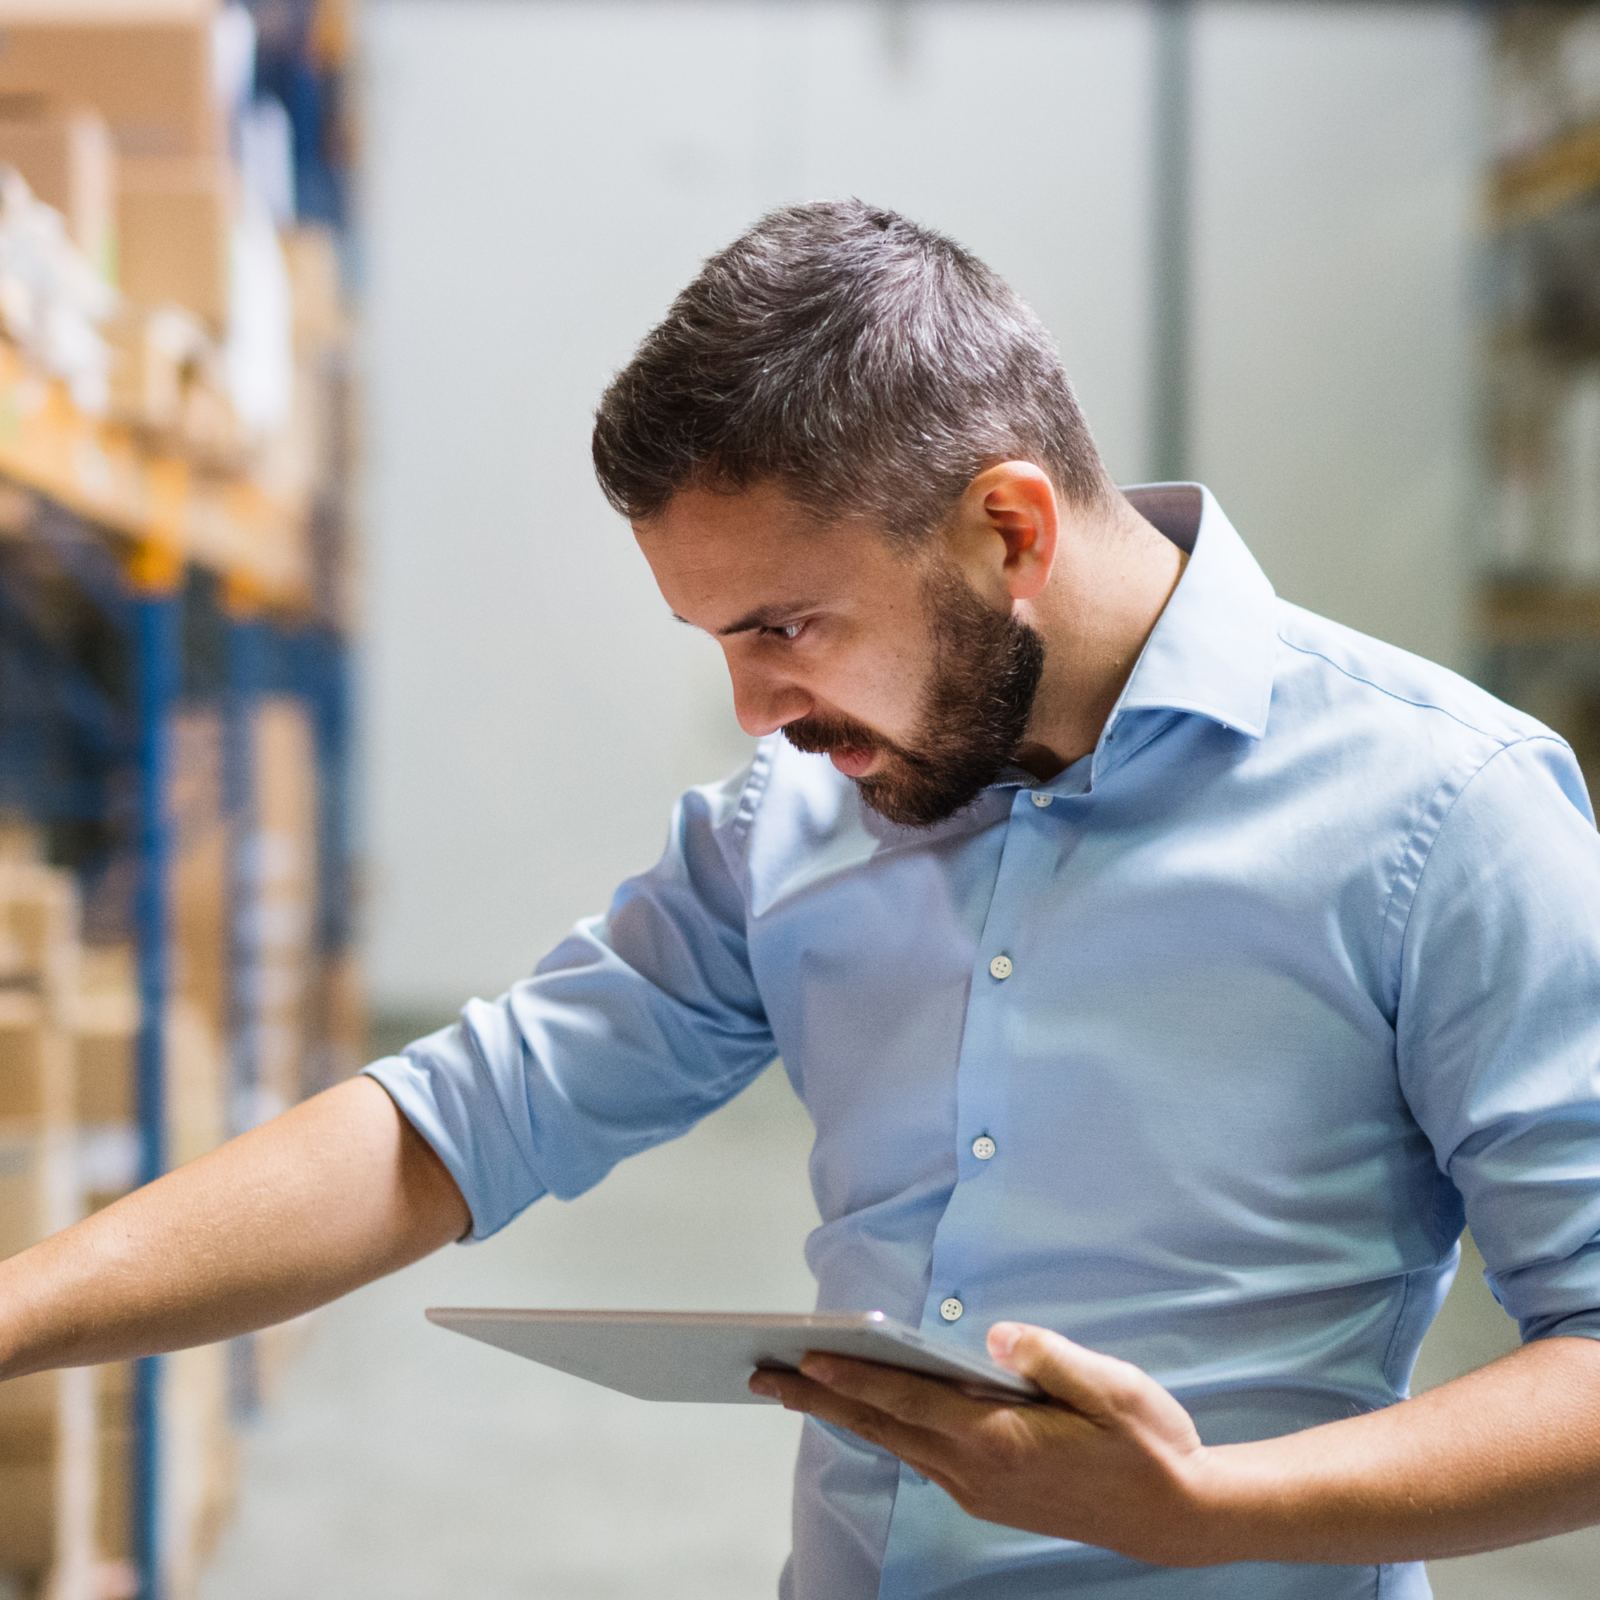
(1212, 649)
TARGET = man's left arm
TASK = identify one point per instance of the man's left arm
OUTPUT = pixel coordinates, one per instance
(1497, 1035)
(1503, 1455)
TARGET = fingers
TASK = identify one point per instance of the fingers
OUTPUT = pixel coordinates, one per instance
(908, 1397)
(800, 1393)
(1094, 1385)
(1109, 1394)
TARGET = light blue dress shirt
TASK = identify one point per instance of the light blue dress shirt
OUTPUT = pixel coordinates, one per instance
(1302, 967)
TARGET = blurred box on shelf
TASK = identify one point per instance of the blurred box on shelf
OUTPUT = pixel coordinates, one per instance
(20, 839)
(105, 1034)
(196, 1083)
(282, 862)
(49, 1484)
(174, 222)
(25, 1058)
(312, 255)
(156, 353)
(47, 1422)
(38, 963)
(114, 1410)
(198, 881)
(145, 65)
(344, 1027)
(67, 156)
(199, 1465)
(198, 1013)
(38, 1185)
(38, 929)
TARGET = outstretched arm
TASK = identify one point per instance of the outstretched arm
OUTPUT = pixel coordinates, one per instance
(1503, 1455)
(329, 1196)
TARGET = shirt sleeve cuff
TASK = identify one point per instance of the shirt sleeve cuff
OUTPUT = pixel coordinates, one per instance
(474, 1151)
(1579, 1325)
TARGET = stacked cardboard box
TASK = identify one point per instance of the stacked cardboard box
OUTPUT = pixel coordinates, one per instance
(283, 857)
(279, 949)
(104, 1046)
(47, 1435)
(66, 154)
(69, 1143)
(146, 70)
(146, 64)
(112, 110)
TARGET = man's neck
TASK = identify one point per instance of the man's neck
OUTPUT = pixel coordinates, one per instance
(1113, 576)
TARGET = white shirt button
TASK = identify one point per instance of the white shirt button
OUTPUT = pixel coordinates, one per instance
(1001, 967)
(983, 1147)
(951, 1309)
(1042, 800)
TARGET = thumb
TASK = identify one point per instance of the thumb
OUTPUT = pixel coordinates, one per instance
(1084, 1379)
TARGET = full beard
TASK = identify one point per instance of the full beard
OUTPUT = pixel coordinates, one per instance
(986, 672)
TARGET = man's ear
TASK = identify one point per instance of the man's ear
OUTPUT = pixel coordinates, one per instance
(1006, 530)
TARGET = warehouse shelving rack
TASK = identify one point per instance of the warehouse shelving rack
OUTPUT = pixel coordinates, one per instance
(196, 587)
(1537, 624)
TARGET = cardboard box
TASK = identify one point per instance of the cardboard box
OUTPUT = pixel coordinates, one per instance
(104, 1044)
(281, 921)
(38, 930)
(104, 1071)
(312, 256)
(24, 1056)
(48, 1480)
(174, 222)
(155, 355)
(200, 1463)
(145, 65)
(38, 1186)
(114, 1519)
(69, 162)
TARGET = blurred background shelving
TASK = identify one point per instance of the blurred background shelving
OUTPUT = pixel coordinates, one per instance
(1539, 600)
(177, 562)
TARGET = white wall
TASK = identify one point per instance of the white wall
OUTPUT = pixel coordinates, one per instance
(543, 176)
(1336, 188)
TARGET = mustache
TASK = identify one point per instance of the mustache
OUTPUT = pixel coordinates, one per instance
(820, 736)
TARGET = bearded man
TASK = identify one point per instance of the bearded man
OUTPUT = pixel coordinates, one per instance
(1168, 973)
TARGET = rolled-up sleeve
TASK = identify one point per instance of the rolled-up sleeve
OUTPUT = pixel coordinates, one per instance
(1498, 1028)
(636, 1026)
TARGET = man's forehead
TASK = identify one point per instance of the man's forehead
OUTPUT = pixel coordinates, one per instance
(707, 511)
(732, 561)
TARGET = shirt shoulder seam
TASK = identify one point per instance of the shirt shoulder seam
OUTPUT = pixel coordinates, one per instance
(1426, 855)
(1504, 740)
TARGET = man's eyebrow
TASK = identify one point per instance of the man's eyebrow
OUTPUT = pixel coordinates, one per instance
(761, 617)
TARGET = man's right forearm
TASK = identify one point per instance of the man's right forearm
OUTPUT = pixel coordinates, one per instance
(331, 1195)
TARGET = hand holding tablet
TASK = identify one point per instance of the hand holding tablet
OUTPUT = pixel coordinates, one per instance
(710, 1355)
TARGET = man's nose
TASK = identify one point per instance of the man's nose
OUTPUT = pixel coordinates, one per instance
(763, 702)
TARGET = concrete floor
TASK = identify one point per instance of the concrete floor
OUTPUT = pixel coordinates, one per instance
(402, 1462)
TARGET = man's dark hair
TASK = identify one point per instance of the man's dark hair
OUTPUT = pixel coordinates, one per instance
(868, 366)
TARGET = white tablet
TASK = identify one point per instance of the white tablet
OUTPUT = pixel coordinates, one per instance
(709, 1355)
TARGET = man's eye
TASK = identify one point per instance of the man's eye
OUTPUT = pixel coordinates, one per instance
(788, 630)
